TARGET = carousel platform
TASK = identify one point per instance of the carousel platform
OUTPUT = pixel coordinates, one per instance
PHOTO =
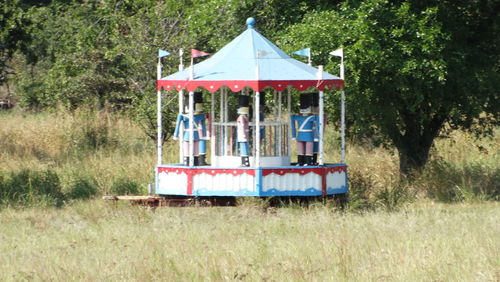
(177, 179)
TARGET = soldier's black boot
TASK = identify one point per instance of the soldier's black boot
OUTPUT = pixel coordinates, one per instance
(310, 160)
(186, 161)
(300, 160)
(306, 160)
(201, 160)
(245, 161)
(196, 161)
(315, 159)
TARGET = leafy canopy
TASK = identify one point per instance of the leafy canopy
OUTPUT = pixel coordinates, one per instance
(411, 68)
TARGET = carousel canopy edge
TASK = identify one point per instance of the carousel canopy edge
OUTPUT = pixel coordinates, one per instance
(236, 86)
(249, 60)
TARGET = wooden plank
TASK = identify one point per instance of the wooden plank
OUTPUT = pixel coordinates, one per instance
(130, 198)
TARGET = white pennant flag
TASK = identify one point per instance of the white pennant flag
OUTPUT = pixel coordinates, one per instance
(338, 53)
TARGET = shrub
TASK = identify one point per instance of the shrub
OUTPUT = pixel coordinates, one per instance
(83, 188)
(92, 131)
(28, 188)
(359, 190)
(392, 198)
(125, 187)
(451, 183)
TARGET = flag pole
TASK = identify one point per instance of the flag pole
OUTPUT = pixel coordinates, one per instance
(342, 113)
(191, 71)
(321, 119)
(257, 118)
(181, 108)
(191, 118)
(158, 115)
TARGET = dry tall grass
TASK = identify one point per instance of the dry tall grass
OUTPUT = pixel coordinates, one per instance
(108, 149)
(97, 241)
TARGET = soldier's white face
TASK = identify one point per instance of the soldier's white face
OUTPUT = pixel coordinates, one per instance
(305, 111)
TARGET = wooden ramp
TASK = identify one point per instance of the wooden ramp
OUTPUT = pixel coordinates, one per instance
(174, 201)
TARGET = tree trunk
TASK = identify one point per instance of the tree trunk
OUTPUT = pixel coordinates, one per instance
(414, 145)
(412, 158)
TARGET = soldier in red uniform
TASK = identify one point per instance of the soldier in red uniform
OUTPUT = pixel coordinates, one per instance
(243, 130)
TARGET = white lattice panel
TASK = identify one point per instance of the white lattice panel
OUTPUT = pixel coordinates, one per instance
(223, 182)
(172, 183)
(291, 182)
(336, 180)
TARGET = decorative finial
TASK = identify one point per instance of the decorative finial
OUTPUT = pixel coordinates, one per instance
(251, 23)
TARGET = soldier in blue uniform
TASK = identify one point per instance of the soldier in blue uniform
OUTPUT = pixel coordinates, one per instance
(305, 130)
(198, 110)
(199, 129)
(243, 130)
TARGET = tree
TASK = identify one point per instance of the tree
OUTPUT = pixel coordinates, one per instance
(412, 67)
(12, 34)
(102, 53)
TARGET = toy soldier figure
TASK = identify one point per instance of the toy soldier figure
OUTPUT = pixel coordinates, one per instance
(199, 129)
(307, 131)
(203, 142)
(198, 105)
(243, 131)
(262, 117)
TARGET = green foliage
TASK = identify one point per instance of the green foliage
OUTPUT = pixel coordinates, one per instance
(449, 182)
(125, 187)
(93, 131)
(393, 198)
(83, 188)
(31, 188)
(359, 191)
(410, 67)
(13, 35)
(104, 53)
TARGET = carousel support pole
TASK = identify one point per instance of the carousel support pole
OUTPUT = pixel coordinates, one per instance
(257, 129)
(181, 133)
(340, 53)
(342, 115)
(226, 128)
(257, 120)
(289, 109)
(212, 129)
(181, 108)
(159, 117)
(221, 128)
(280, 129)
(191, 128)
(254, 130)
(191, 118)
(321, 119)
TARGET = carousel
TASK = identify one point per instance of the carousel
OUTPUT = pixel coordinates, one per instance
(236, 128)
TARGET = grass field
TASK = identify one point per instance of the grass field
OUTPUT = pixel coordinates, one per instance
(98, 241)
(443, 226)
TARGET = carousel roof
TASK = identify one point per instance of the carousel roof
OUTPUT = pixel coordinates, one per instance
(250, 60)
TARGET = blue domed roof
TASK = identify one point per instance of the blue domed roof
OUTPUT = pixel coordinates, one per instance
(250, 60)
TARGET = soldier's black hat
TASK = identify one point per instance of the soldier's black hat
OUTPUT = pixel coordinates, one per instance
(244, 100)
(305, 100)
(198, 97)
(315, 99)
